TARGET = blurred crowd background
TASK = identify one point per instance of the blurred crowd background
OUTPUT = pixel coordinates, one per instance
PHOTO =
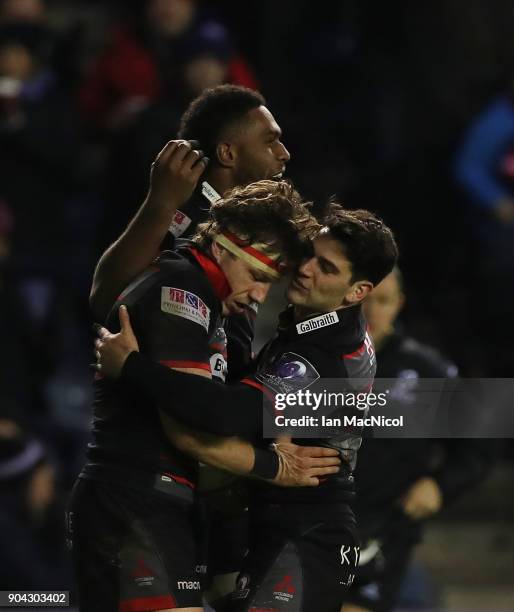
(400, 107)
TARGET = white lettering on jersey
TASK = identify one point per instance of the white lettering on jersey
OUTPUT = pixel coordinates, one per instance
(185, 304)
(330, 318)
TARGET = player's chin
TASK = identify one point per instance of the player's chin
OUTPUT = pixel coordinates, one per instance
(235, 309)
(294, 296)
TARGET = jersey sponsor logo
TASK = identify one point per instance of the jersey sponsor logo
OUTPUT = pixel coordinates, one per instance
(330, 318)
(185, 304)
(285, 589)
(349, 580)
(349, 555)
(179, 224)
(218, 366)
(210, 193)
(289, 373)
(188, 585)
(218, 348)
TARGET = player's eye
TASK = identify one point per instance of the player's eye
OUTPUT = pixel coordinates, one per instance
(326, 267)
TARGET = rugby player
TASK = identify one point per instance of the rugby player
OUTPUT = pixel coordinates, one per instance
(303, 544)
(240, 143)
(129, 519)
(403, 482)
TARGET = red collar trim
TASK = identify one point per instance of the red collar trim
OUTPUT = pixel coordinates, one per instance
(214, 273)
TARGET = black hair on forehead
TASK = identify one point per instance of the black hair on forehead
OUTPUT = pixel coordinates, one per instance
(213, 112)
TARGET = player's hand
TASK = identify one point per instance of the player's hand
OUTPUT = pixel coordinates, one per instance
(303, 466)
(112, 350)
(175, 174)
(422, 500)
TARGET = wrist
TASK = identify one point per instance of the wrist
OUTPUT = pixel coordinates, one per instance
(160, 206)
(266, 464)
(130, 366)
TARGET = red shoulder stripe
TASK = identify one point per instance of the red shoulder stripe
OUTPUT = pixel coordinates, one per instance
(172, 363)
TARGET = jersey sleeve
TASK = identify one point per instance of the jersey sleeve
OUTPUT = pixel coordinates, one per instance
(172, 326)
(199, 402)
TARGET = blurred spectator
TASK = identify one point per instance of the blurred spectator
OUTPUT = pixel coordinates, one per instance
(22, 10)
(484, 168)
(206, 64)
(15, 380)
(144, 61)
(402, 482)
(485, 162)
(32, 553)
(38, 153)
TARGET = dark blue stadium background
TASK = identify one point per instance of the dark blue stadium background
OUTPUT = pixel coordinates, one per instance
(375, 100)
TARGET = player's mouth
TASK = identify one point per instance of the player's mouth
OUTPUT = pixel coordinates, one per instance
(296, 284)
(240, 307)
(278, 176)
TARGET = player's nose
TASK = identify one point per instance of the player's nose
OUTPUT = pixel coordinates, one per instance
(259, 292)
(305, 268)
(284, 155)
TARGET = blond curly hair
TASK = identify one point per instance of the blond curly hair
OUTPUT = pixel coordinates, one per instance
(269, 212)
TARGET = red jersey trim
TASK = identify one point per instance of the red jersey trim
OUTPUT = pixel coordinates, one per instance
(172, 363)
(147, 604)
(180, 480)
(252, 383)
(356, 353)
(214, 273)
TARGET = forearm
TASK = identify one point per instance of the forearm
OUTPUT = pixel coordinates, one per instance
(132, 252)
(198, 402)
(230, 454)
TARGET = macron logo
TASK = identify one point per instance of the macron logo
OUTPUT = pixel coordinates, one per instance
(188, 585)
(331, 318)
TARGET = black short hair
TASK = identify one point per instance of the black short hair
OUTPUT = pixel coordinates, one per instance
(366, 241)
(208, 116)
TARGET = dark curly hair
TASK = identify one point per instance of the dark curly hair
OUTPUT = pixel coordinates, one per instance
(214, 111)
(270, 212)
(366, 241)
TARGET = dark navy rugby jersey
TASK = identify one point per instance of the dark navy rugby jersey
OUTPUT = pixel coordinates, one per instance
(240, 329)
(302, 353)
(334, 345)
(175, 310)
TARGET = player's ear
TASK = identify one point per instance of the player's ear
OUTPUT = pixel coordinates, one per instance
(358, 291)
(216, 250)
(226, 154)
